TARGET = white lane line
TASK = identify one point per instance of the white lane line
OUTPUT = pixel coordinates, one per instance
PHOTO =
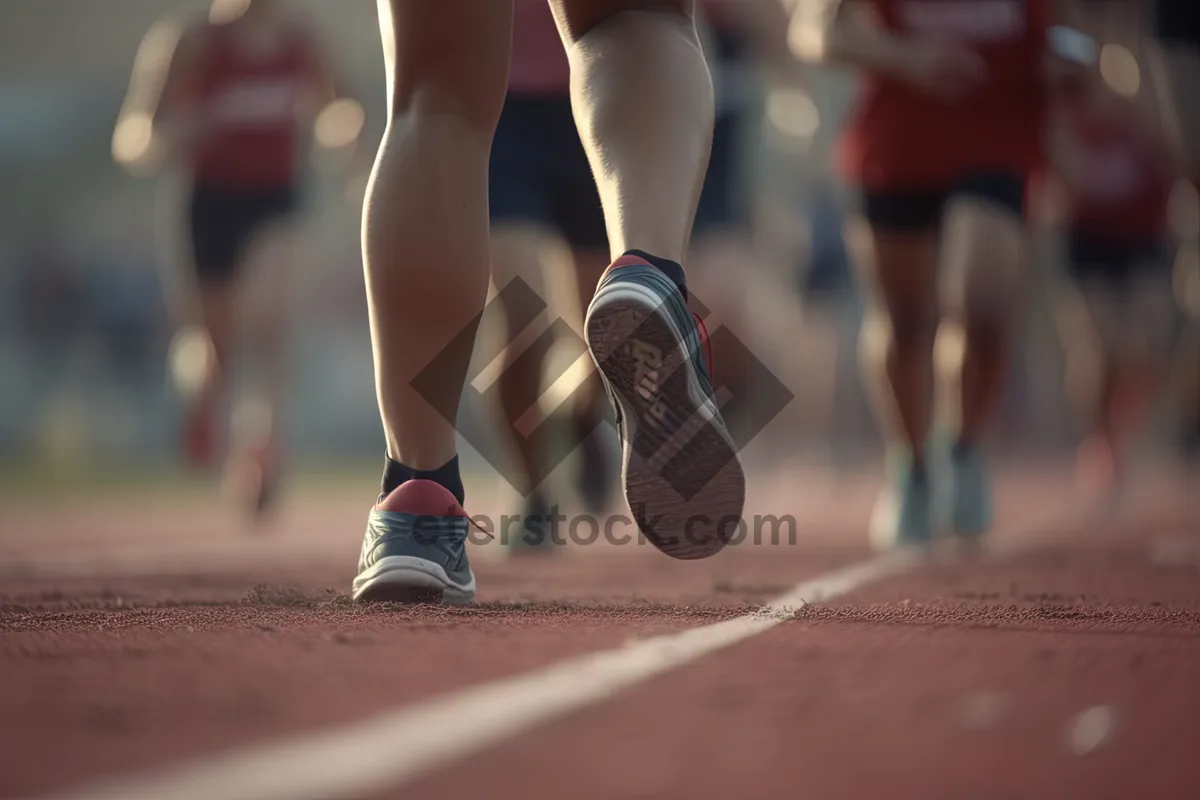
(397, 746)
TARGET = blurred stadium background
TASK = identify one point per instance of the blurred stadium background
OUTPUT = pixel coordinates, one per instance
(84, 323)
(138, 628)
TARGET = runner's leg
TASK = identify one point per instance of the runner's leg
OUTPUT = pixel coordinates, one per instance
(643, 101)
(425, 222)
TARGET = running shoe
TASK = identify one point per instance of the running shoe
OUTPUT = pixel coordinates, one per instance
(414, 550)
(903, 515)
(971, 501)
(533, 535)
(682, 478)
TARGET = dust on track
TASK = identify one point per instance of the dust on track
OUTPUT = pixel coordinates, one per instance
(131, 672)
(958, 680)
(123, 686)
(55, 611)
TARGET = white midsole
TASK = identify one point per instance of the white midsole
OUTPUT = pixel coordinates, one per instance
(412, 572)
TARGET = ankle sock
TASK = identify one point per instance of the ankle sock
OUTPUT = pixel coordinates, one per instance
(447, 476)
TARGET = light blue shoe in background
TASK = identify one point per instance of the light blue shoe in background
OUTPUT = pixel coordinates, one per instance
(971, 492)
(903, 514)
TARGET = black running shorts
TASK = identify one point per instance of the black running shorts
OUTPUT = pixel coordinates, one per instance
(921, 209)
(222, 223)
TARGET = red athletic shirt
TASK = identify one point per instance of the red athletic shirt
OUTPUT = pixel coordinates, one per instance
(1125, 180)
(900, 138)
(539, 65)
(249, 107)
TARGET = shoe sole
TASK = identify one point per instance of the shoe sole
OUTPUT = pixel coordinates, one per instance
(681, 474)
(408, 579)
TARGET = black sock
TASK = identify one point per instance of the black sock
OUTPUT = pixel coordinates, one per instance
(447, 476)
(670, 268)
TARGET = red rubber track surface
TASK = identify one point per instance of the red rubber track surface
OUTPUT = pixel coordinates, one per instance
(1065, 667)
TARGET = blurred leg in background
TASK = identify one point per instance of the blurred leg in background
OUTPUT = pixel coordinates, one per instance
(1177, 73)
(1118, 329)
(984, 265)
(925, 254)
(754, 69)
(832, 317)
(267, 330)
(197, 98)
(894, 246)
(1187, 292)
(242, 252)
(942, 184)
(720, 240)
(548, 232)
(1115, 177)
